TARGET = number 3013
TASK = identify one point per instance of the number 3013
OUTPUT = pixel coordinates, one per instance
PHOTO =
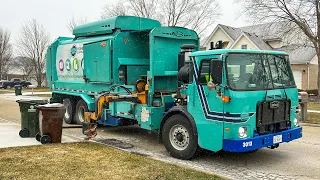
(247, 144)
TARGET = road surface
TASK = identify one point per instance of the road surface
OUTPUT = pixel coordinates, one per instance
(299, 159)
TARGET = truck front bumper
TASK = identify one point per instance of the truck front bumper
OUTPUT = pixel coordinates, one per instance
(250, 144)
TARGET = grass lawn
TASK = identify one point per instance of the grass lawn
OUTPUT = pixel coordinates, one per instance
(42, 95)
(313, 118)
(86, 161)
(6, 91)
(314, 106)
(36, 90)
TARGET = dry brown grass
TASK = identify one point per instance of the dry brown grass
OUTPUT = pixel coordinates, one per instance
(314, 106)
(313, 118)
(86, 161)
(42, 95)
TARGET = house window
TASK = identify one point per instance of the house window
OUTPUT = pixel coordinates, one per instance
(244, 46)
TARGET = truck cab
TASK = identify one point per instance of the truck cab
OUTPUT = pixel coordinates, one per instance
(242, 100)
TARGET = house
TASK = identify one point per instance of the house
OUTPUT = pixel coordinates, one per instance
(272, 36)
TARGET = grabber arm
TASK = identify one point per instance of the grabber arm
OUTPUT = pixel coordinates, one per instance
(89, 127)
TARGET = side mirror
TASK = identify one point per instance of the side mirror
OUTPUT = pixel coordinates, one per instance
(216, 71)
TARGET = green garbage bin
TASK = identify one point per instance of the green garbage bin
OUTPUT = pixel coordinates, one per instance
(18, 90)
(29, 117)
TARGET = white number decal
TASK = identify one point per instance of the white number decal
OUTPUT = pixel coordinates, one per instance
(247, 144)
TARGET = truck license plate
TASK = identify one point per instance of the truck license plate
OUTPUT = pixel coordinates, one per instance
(277, 139)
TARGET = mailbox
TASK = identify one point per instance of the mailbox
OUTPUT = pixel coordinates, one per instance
(303, 97)
(303, 100)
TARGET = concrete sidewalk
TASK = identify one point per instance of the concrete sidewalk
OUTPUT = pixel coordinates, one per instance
(9, 136)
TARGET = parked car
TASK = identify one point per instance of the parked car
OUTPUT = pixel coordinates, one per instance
(15, 81)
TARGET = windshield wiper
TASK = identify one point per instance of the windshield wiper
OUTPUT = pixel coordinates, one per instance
(281, 77)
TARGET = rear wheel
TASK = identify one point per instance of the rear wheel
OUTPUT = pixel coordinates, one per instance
(179, 138)
(81, 108)
(68, 116)
(45, 139)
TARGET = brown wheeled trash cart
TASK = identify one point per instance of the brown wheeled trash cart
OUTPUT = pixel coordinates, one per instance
(50, 123)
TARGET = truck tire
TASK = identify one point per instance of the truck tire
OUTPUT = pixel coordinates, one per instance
(178, 137)
(81, 108)
(68, 116)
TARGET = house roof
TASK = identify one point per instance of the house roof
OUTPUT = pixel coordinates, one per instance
(233, 32)
(260, 34)
(298, 54)
(258, 41)
(269, 30)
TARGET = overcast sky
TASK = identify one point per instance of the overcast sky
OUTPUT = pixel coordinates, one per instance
(54, 14)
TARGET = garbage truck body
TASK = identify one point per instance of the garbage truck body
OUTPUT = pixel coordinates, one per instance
(130, 70)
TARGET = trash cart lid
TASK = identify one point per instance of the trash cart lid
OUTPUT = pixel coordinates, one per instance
(32, 101)
(51, 106)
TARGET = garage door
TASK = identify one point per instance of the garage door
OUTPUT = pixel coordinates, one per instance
(298, 78)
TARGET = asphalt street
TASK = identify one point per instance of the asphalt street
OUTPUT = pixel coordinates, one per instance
(299, 159)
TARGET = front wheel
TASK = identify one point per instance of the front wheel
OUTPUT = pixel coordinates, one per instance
(179, 138)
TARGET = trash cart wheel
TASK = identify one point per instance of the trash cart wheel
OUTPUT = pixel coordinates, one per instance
(45, 139)
(24, 133)
(38, 137)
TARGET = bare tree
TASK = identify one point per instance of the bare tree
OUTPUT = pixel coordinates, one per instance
(144, 8)
(303, 14)
(5, 52)
(194, 14)
(118, 9)
(23, 64)
(73, 22)
(32, 43)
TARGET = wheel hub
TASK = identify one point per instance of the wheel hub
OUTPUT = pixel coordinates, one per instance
(81, 114)
(179, 137)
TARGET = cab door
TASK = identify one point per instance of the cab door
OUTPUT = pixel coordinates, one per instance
(207, 107)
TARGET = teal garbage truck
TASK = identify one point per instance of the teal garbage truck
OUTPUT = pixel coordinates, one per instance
(130, 70)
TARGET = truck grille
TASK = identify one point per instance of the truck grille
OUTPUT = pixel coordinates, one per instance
(273, 116)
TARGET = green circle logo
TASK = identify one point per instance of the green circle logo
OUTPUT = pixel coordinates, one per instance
(76, 64)
(68, 64)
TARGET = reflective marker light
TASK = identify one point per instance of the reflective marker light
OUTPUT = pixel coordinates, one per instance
(225, 99)
(243, 132)
(295, 122)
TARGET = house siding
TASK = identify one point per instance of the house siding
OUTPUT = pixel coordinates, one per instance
(303, 68)
(313, 76)
(242, 41)
(219, 35)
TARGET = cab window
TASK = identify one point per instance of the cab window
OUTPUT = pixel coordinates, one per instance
(204, 74)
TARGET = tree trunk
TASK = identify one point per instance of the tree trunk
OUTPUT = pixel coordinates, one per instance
(318, 55)
(39, 79)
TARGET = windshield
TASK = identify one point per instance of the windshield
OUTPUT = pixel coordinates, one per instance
(258, 71)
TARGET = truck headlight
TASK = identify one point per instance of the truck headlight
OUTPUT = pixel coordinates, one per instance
(243, 132)
(295, 122)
